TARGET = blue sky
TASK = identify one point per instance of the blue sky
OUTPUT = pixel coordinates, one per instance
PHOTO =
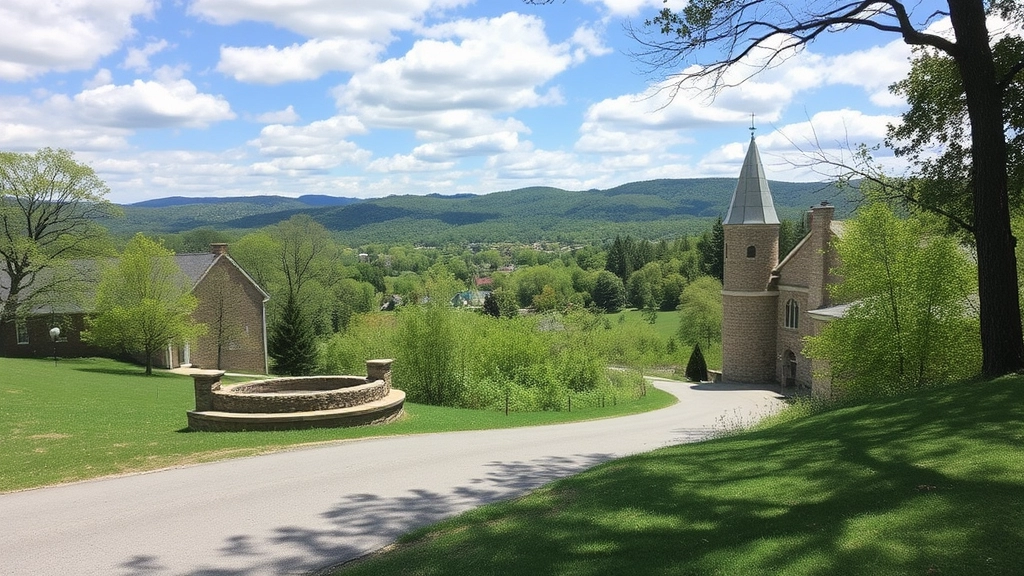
(366, 98)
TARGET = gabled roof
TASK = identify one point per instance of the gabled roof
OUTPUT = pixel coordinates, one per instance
(752, 201)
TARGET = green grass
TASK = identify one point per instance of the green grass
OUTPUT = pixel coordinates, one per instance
(87, 418)
(927, 484)
(665, 326)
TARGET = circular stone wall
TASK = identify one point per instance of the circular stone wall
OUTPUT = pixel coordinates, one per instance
(299, 394)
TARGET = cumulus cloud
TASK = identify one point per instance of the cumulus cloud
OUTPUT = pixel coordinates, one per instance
(318, 146)
(364, 19)
(37, 36)
(286, 116)
(634, 7)
(308, 61)
(27, 124)
(160, 103)
(138, 58)
(462, 79)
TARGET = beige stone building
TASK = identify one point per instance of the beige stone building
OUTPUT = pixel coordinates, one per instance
(770, 306)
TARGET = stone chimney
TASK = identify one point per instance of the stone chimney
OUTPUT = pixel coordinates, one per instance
(821, 261)
(218, 248)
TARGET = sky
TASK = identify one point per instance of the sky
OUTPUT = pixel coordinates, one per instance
(369, 98)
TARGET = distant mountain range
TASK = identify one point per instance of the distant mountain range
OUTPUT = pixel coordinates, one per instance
(652, 209)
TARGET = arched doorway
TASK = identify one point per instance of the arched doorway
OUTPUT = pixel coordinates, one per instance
(790, 368)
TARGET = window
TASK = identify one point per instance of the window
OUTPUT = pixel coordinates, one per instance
(792, 314)
(751, 252)
(22, 331)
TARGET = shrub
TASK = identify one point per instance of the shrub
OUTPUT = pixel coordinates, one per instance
(697, 368)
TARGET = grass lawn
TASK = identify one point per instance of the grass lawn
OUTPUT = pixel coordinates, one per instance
(932, 483)
(666, 326)
(92, 417)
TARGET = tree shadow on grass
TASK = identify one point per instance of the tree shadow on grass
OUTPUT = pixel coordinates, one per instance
(932, 484)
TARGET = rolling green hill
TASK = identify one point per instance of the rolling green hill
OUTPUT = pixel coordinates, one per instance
(653, 209)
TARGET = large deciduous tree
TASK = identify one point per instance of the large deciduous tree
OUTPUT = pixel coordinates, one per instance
(700, 312)
(741, 29)
(143, 303)
(48, 207)
(912, 322)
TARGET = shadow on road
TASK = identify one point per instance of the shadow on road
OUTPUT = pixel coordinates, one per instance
(361, 523)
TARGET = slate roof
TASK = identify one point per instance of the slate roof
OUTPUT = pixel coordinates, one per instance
(752, 201)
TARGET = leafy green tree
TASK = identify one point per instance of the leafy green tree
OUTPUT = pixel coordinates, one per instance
(912, 322)
(619, 260)
(711, 250)
(989, 79)
(143, 303)
(609, 293)
(48, 207)
(644, 287)
(491, 307)
(429, 361)
(700, 312)
(671, 289)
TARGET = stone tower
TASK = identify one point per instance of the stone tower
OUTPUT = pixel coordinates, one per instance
(749, 300)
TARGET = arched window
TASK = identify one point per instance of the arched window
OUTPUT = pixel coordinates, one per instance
(792, 314)
(751, 251)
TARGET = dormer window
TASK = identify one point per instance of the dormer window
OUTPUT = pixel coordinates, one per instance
(751, 251)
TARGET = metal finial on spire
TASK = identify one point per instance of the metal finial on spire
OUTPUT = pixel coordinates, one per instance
(752, 128)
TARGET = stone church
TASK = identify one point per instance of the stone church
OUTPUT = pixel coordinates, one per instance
(770, 306)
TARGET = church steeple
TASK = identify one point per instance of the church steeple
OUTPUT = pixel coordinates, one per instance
(752, 201)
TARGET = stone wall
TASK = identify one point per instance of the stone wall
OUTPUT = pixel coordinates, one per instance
(295, 396)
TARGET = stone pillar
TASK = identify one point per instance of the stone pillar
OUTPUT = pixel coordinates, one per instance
(379, 370)
(206, 381)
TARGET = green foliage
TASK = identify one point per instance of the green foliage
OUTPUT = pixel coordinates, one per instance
(430, 354)
(697, 367)
(700, 312)
(711, 248)
(292, 341)
(609, 293)
(48, 207)
(143, 303)
(912, 322)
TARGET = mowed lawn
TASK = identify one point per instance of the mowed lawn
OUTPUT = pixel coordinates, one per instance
(91, 417)
(928, 484)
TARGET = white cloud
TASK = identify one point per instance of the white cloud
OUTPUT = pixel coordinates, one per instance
(286, 116)
(635, 7)
(37, 36)
(406, 163)
(138, 58)
(308, 61)
(161, 103)
(102, 78)
(26, 125)
(463, 78)
(365, 19)
(320, 145)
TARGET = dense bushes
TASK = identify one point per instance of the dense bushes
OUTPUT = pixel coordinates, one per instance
(454, 357)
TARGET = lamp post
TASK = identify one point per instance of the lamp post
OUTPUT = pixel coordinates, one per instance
(54, 335)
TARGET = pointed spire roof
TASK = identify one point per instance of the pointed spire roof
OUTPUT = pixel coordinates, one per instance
(752, 201)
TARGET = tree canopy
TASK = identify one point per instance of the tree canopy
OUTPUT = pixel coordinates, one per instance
(143, 303)
(48, 205)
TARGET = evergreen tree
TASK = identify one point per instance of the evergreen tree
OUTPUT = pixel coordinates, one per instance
(697, 367)
(291, 342)
(491, 307)
(609, 292)
(711, 248)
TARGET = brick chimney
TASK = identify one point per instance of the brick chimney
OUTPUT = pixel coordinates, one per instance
(218, 248)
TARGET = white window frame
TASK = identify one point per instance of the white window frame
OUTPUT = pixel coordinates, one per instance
(21, 330)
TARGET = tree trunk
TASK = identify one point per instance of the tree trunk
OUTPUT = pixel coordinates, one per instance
(1001, 339)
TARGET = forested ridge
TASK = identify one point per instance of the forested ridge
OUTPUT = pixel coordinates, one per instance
(652, 209)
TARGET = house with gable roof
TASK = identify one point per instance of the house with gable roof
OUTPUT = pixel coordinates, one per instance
(769, 306)
(231, 304)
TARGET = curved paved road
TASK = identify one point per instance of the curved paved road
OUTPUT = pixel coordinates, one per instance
(295, 511)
